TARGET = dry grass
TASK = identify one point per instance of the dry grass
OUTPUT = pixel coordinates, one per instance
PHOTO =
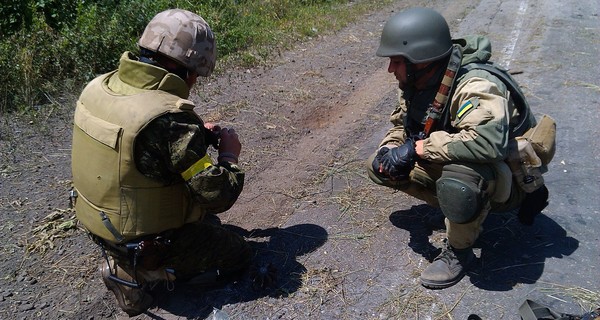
(57, 225)
(353, 200)
(223, 112)
(347, 168)
(322, 284)
(586, 85)
(408, 302)
(357, 198)
(587, 299)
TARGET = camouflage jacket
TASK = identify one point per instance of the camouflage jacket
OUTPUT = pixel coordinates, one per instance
(171, 143)
(480, 114)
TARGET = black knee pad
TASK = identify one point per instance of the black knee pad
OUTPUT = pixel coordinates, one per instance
(461, 193)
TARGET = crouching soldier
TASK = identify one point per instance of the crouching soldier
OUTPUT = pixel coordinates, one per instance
(146, 185)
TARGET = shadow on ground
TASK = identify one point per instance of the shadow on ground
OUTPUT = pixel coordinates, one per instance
(511, 253)
(278, 247)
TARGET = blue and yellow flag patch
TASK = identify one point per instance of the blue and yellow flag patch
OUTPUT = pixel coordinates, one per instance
(464, 109)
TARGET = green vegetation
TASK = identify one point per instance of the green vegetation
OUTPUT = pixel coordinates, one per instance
(51, 47)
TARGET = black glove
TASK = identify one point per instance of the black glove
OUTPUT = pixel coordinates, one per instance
(377, 161)
(399, 162)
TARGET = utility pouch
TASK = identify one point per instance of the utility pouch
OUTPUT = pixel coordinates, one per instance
(543, 139)
(525, 164)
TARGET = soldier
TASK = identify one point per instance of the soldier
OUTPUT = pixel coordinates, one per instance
(451, 134)
(147, 188)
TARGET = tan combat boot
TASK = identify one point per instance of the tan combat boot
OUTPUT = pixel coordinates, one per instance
(133, 301)
(448, 268)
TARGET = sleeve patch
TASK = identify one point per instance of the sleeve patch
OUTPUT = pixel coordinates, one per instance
(465, 108)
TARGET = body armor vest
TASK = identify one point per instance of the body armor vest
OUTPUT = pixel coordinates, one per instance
(114, 200)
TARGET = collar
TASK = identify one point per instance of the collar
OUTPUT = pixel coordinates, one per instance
(133, 77)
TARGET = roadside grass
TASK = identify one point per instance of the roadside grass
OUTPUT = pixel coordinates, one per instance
(41, 61)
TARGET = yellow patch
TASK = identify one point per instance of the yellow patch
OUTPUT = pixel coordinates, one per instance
(200, 165)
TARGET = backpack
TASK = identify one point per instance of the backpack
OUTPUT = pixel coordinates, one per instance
(543, 133)
(530, 149)
(512, 86)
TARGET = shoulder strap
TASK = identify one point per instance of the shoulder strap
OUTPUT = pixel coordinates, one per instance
(438, 106)
(517, 95)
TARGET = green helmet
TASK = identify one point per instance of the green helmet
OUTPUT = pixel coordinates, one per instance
(418, 34)
(184, 37)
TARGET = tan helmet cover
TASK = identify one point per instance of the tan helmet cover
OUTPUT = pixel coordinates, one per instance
(184, 37)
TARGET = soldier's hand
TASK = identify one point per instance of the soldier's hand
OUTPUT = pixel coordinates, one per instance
(229, 146)
(377, 160)
(399, 162)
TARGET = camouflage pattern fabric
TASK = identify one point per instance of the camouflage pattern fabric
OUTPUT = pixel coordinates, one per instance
(171, 144)
(184, 37)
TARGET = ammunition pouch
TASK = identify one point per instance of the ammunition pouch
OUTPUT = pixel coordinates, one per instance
(524, 164)
(543, 139)
(461, 193)
(529, 155)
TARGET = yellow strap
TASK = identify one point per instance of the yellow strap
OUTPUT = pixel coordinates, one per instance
(200, 165)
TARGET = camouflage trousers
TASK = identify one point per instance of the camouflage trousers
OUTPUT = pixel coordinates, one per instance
(504, 195)
(188, 251)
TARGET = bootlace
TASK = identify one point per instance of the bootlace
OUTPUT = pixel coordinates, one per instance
(448, 256)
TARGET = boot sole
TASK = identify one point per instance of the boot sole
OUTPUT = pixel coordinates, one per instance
(431, 284)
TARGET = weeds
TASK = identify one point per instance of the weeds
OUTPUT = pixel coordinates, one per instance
(43, 45)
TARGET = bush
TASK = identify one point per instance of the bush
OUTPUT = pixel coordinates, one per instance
(50, 41)
(46, 43)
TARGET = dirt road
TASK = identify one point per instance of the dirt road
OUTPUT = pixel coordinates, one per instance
(344, 247)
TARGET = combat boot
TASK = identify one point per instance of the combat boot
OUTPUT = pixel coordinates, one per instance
(133, 301)
(448, 268)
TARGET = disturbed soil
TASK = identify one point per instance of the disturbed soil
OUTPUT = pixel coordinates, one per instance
(343, 247)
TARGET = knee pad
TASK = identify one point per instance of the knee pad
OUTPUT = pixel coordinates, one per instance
(461, 193)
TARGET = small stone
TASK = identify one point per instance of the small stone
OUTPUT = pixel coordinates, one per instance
(26, 307)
